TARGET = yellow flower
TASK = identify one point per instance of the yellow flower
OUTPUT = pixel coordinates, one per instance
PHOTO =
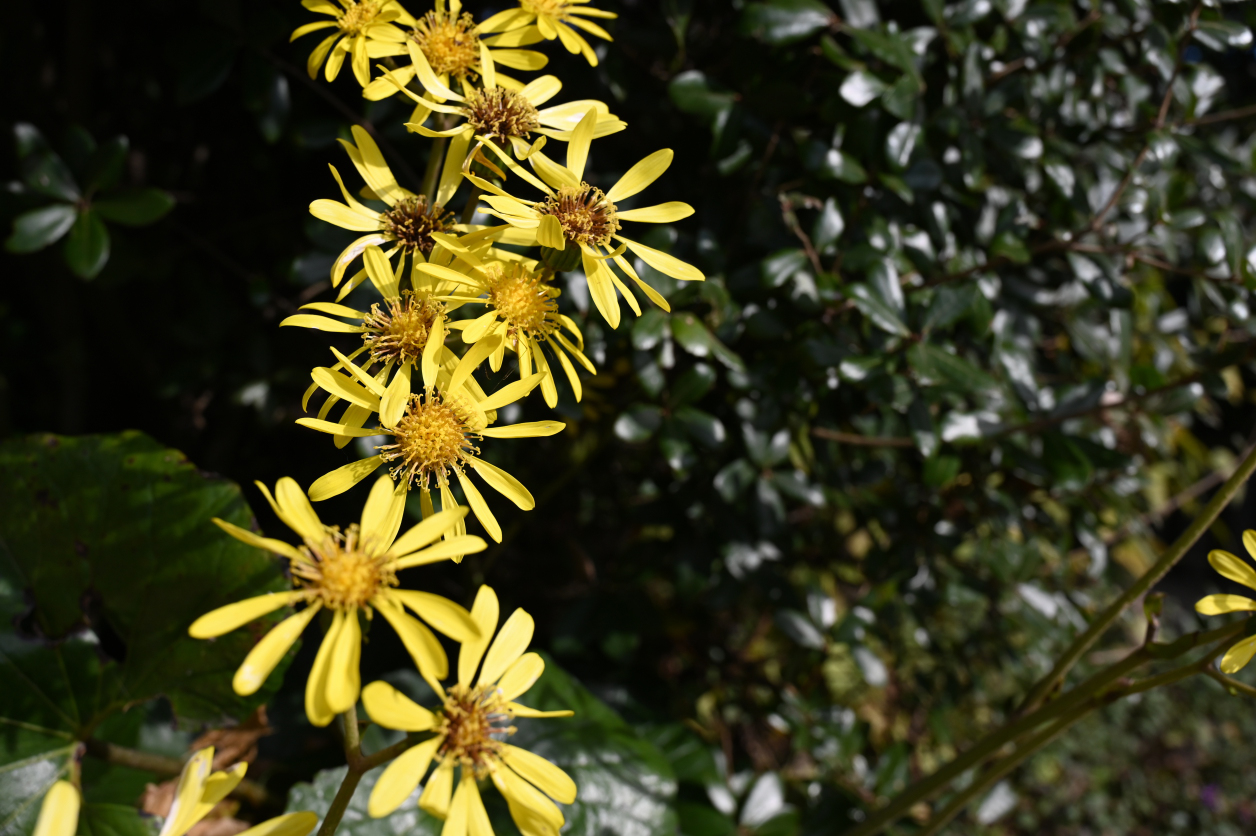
(365, 30)
(555, 19)
(496, 114)
(469, 729)
(344, 572)
(434, 432)
(522, 312)
(575, 214)
(1238, 570)
(451, 45)
(409, 223)
(198, 791)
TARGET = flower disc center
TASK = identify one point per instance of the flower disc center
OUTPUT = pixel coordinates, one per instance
(431, 439)
(469, 721)
(356, 18)
(585, 214)
(400, 332)
(501, 114)
(411, 223)
(340, 573)
(449, 44)
(523, 298)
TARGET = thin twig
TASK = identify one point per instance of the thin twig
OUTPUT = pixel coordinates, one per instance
(251, 791)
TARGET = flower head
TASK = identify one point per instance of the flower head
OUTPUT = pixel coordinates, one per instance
(577, 223)
(471, 729)
(199, 789)
(346, 572)
(364, 30)
(555, 19)
(522, 311)
(409, 224)
(1240, 571)
(435, 431)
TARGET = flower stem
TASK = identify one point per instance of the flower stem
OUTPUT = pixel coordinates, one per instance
(468, 211)
(1176, 552)
(431, 174)
(340, 803)
(250, 791)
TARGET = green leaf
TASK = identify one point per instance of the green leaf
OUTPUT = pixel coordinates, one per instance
(38, 228)
(140, 207)
(1009, 246)
(105, 167)
(691, 386)
(861, 87)
(129, 520)
(693, 93)
(42, 170)
(113, 820)
(87, 246)
(935, 366)
(828, 226)
(780, 22)
(638, 422)
(838, 165)
(949, 304)
(875, 308)
(697, 339)
(701, 426)
(1222, 34)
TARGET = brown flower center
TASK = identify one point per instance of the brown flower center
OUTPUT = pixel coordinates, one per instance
(449, 44)
(339, 572)
(431, 439)
(469, 720)
(585, 214)
(501, 114)
(355, 19)
(411, 223)
(524, 299)
(398, 332)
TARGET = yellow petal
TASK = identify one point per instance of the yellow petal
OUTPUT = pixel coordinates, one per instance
(572, 378)
(225, 619)
(267, 653)
(316, 708)
(375, 171)
(424, 648)
(663, 213)
(443, 614)
(524, 711)
(1237, 657)
(482, 512)
(297, 510)
(277, 546)
(319, 54)
(484, 613)
(479, 327)
(432, 352)
(454, 547)
(521, 676)
(1232, 567)
(343, 430)
(1218, 604)
(551, 172)
(511, 392)
(435, 798)
(394, 710)
(336, 58)
(641, 175)
(502, 21)
(578, 147)
(187, 795)
(548, 390)
(601, 288)
(459, 814)
(220, 784)
(402, 776)
(427, 531)
(58, 814)
(664, 263)
(396, 397)
(477, 816)
(379, 271)
(342, 216)
(343, 675)
(361, 375)
(519, 793)
(289, 824)
(550, 233)
(342, 478)
(511, 642)
(529, 429)
(504, 483)
(538, 91)
(427, 77)
(344, 388)
(476, 355)
(321, 323)
(546, 776)
(451, 171)
(381, 515)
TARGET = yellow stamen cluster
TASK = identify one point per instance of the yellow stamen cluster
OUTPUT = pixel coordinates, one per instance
(399, 333)
(431, 439)
(355, 19)
(449, 44)
(524, 299)
(469, 720)
(585, 214)
(338, 572)
(411, 223)
(501, 114)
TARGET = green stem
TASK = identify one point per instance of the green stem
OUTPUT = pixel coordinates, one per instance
(369, 762)
(997, 739)
(340, 803)
(468, 211)
(352, 739)
(431, 174)
(1231, 685)
(1149, 578)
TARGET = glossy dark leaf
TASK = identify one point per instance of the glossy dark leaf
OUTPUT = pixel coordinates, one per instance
(38, 228)
(140, 207)
(780, 22)
(87, 246)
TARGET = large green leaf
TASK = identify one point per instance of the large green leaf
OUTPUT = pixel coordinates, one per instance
(112, 534)
(87, 245)
(38, 228)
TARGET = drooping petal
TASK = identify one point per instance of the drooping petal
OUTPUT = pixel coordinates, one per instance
(316, 708)
(59, 812)
(507, 485)
(443, 614)
(342, 216)
(321, 323)
(187, 795)
(521, 676)
(297, 510)
(520, 794)
(546, 776)
(529, 429)
(664, 263)
(435, 798)
(344, 679)
(477, 816)
(427, 531)
(482, 512)
(424, 648)
(277, 546)
(342, 478)
(511, 642)
(511, 392)
(394, 710)
(484, 613)
(376, 173)
(402, 776)
(1237, 657)
(265, 655)
(451, 548)
(601, 288)
(225, 619)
